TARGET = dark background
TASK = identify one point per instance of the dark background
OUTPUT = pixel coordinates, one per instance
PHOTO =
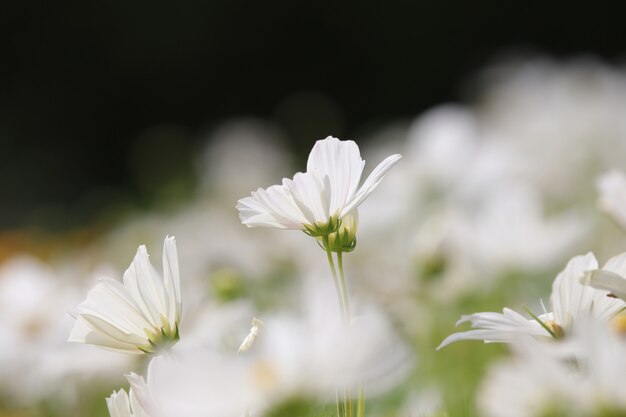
(88, 90)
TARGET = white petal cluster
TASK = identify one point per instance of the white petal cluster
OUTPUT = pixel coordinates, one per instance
(294, 357)
(570, 301)
(37, 362)
(140, 315)
(316, 200)
(582, 377)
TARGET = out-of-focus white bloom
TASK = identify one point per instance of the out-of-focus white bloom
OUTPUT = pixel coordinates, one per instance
(311, 357)
(612, 199)
(297, 356)
(581, 377)
(510, 231)
(542, 107)
(239, 155)
(443, 144)
(533, 384)
(251, 338)
(139, 316)
(508, 326)
(37, 362)
(426, 403)
(121, 404)
(317, 200)
(200, 383)
(570, 300)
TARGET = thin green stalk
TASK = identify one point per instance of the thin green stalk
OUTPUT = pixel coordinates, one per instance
(342, 282)
(341, 405)
(541, 323)
(360, 410)
(346, 303)
(331, 263)
(350, 403)
(337, 400)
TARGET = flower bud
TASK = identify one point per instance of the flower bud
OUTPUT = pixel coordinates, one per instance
(344, 239)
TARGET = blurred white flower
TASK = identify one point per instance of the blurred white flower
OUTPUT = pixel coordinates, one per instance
(121, 404)
(570, 300)
(37, 362)
(612, 199)
(139, 316)
(581, 377)
(316, 201)
(314, 354)
(198, 383)
(305, 356)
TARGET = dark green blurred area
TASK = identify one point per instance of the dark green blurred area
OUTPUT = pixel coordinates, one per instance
(102, 104)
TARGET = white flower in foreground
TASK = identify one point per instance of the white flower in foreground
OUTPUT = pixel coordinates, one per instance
(198, 383)
(570, 300)
(121, 404)
(581, 377)
(316, 201)
(612, 199)
(305, 356)
(139, 316)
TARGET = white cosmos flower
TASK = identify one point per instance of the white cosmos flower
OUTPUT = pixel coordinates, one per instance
(294, 358)
(571, 299)
(121, 404)
(583, 376)
(315, 201)
(139, 316)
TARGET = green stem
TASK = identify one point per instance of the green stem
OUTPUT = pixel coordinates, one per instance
(331, 263)
(350, 403)
(346, 303)
(541, 323)
(342, 282)
(360, 410)
(337, 399)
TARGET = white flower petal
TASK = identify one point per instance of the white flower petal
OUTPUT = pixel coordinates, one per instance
(571, 299)
(311, 194)
(341, 162)
(84, 331)
(121, 404)
(327, 190)
(371, 183)
(274, 206)
(171, 279)
(508, 326)
(617, 264)
(142, 314)
(118, 404)
(609, 281)
(110, 301)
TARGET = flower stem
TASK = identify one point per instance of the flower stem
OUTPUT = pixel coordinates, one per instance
(342, 282)
(360, 410)
(337, 399)
(331, 263)
(346, 304)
